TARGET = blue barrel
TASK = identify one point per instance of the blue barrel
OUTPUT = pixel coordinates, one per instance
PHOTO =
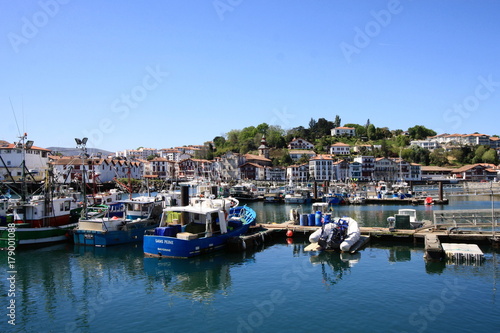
(303, 220)
(327, 218)
(317, 218)
(310, 219)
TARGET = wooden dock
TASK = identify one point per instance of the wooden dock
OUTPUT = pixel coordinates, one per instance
(439, 244)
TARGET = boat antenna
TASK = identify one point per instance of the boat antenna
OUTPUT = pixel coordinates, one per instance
(15, 118)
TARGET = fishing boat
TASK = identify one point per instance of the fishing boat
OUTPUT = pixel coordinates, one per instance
(273, 197)
(101, 227)
(245, 191)
(298, 197)
(41, 219)
(202, 226)
(4, 207)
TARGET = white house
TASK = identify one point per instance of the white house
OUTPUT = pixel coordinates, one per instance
(343, 131)
(340, 148)
(298, 173)
(320, 167)
(12, 156)
(299, 143)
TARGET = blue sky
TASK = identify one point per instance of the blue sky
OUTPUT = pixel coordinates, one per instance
(168, 73)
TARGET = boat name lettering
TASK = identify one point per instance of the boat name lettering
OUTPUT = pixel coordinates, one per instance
(166, 250)
(164, 241)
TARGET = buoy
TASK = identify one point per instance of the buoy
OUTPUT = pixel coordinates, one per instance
(289, 241)
(289, 233)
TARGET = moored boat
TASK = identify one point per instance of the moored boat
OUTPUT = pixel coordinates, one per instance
(339, 234)
(100, 227)
(405, 219)
(298, 197)
(203, 226)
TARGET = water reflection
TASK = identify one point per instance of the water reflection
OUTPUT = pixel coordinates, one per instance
(199, 278)
(335, 265)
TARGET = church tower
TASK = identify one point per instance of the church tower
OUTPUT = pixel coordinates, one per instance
(263, 148)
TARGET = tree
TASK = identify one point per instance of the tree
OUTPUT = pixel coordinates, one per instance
(336, 122)
(360, 130)
(490, 156)
(262, 128)
(438, 157)
(419, 132)
(219, 142)
(371, 132)
(478, 154)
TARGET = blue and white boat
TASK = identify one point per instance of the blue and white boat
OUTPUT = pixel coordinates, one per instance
(203, 226)
(101, 227)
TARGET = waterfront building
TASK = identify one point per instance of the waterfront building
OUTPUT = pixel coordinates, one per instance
(298, 172)
(12, 156)
(252, 171)
(476, 172)
(367, 167)
(227, 165)
(160, 168)
(355, 169)
(98, 170)
(192, 168)
(275, 173)
(321, 167)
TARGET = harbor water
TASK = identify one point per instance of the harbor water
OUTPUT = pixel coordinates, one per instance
(276, 288)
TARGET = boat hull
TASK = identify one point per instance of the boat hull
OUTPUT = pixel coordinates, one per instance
(172, 247)
(109, 238)
(34, 236)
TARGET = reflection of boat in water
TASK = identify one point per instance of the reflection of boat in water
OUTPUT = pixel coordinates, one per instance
(194, 278)
(340, 264)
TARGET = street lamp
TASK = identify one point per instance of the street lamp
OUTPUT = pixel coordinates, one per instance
(82, 144)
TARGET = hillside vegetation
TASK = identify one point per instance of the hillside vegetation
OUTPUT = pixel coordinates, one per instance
(391, 143)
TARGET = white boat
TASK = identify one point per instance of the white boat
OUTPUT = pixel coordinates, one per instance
(298, 197)
(341, 233)
(403, 218)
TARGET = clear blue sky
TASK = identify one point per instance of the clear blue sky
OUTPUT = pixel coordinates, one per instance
(168, 73)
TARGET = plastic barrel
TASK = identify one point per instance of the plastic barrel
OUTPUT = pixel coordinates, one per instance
(303, 220)
(328, 218)
(317, 218)
(310, 219)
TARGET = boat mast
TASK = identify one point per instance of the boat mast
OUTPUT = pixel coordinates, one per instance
(82, 144)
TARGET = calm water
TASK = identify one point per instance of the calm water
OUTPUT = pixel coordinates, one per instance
(278, 288)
